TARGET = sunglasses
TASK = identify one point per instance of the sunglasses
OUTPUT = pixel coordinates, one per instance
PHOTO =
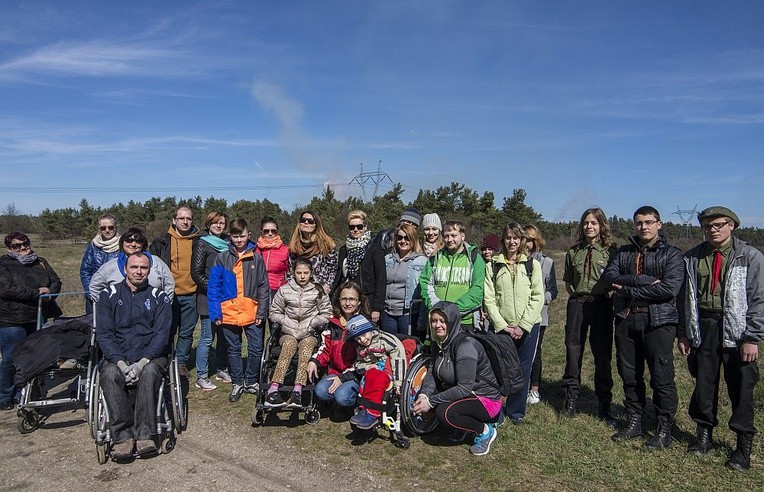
(402, 238)
(106, 228)
(20, 246)
(356, 227)
(306, 220)
(270, 231)
(133, 239)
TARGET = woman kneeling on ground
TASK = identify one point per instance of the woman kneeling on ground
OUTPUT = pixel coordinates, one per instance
(460, 385)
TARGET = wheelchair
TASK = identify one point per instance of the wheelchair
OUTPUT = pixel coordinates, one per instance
(269, 359)
(57, 385)
(171, 413)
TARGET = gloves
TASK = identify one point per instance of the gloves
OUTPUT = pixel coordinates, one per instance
(134, 371)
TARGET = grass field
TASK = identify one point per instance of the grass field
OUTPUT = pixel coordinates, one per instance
(547, 452)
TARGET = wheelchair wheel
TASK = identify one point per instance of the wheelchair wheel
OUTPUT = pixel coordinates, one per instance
(102, 452)
(167, 444)
(179, 409)
(29, 421)
(312, 416)
(258, 416)
(409, 390)
(94, 388)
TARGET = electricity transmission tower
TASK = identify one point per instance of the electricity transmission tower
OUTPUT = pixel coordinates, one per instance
(374, 177)
(686, 216)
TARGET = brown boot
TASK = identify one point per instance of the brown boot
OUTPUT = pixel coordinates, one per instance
(146, 446)
(123, 450)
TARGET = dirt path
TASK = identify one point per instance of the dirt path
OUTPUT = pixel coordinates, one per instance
(61, 456)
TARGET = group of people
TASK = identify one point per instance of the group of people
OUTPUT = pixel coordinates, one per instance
(343, 311)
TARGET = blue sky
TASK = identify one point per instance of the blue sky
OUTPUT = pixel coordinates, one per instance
(614, 104)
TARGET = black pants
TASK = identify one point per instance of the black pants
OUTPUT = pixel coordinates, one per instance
(537, 364)
(636, 342)
(741, 378)
(596, 319)
(468, 414)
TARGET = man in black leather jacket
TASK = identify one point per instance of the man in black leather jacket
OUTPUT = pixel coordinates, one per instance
(646, 276)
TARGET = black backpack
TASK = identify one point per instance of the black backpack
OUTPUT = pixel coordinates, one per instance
(497, 268)
(502, 354)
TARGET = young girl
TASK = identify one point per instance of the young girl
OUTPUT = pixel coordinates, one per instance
(334, 353)
(300, 307)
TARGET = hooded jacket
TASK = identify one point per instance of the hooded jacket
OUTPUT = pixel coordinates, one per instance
(514, 301)
(93, 258)
(19, 289)
(300, 311)
(384, 351)
(333, 351)
(469, 374)
(455, 277)
(176, 250)
(113, 272)
(411, 265)
(742, 296)
(238, 291)
(661, 261)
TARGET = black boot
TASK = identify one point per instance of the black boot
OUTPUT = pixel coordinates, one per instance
(703, 442)
(740, 458)
(570, 407)
(606, 416)
(662, 437)
(632, 430)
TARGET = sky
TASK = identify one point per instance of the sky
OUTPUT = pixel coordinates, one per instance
(586, 103)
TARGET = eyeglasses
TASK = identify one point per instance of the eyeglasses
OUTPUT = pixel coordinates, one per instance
(645, 223)
(20, 246)
(348, 299)
(134, 239)
(356, 227)
(270, 231)
(402, 237)
(106, 228)
(307, 220)
(716, 226)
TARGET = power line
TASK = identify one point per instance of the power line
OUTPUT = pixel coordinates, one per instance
(686, 216)
(375, 177)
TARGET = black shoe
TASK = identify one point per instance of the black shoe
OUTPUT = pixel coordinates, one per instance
(703, 442)
(236, 392)
(604, 415)
(632, 430)
(662, 437)
(570, 407)
(295, 400)
(274, 400)
(740, 459)
(8, 406)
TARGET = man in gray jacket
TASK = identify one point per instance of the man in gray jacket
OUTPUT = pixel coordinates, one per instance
(721, 324)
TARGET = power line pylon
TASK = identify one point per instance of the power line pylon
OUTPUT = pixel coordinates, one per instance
(375, 177)
(686, 216)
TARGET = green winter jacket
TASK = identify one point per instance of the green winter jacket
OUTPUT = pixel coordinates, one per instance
(514, 301)
(455, 277)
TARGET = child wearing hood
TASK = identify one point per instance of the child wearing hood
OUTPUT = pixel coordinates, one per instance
(460, 386)
(380, 362)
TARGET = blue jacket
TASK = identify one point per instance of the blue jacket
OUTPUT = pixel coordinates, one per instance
(131, 326)
(224, 300)
(92, 260)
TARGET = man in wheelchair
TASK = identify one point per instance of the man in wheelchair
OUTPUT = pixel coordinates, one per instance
(133, 328)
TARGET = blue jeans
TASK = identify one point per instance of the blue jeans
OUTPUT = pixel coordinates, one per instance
(254, 352)
(184, 316)
(9, 337)
(344, 396)
(205, 344)
(395, 324)
(526, 351)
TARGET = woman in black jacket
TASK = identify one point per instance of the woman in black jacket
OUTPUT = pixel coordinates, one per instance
(24, 277)
(206, 249)
(362, 260)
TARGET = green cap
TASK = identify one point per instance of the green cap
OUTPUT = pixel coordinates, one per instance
(718, 211)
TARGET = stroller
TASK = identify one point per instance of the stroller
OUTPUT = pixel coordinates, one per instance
(54, 365)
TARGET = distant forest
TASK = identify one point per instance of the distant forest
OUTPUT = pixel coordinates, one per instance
(453, 202)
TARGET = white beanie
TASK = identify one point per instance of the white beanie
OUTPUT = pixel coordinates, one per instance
(431, 220)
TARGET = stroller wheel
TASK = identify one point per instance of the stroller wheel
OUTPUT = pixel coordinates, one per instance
(400, 440)
(29, 421)
(258, 416)
(312, 416)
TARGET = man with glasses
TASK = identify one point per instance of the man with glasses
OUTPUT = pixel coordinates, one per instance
(175, 248)
(103, 247)
(646, 276)
(722, 323)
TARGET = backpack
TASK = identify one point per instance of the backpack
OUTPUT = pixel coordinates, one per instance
(502, 354)
(497, 268)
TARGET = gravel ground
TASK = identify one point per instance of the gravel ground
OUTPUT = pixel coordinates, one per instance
(60, 456)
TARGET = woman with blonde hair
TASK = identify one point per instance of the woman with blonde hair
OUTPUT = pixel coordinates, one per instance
(311, 241)
(403, 267)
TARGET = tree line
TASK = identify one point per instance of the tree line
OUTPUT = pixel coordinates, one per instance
(453, 202)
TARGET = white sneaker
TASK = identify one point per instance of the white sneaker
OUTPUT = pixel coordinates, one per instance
(223, 376)
(533, 397)
(205, 384)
